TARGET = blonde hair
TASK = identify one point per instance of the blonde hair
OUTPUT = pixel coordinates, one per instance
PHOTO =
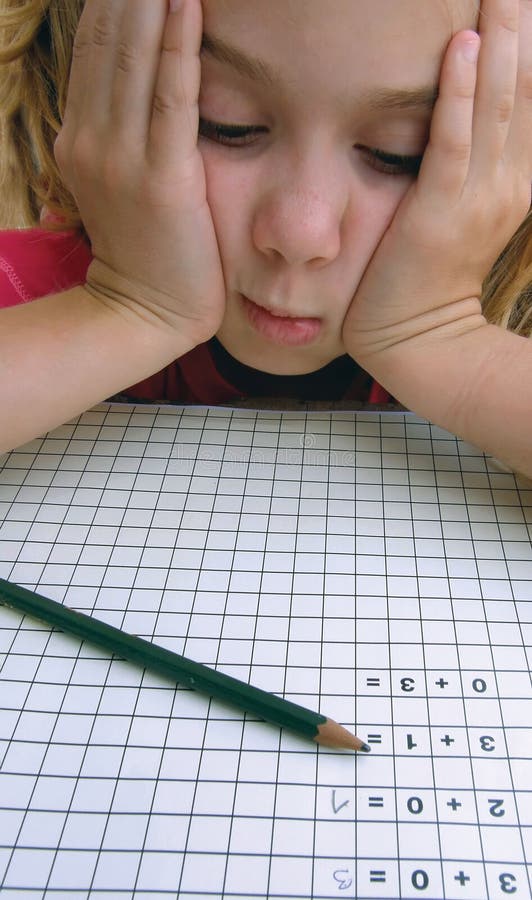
(36, 38)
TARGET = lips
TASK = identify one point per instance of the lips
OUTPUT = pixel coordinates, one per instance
(279, 328)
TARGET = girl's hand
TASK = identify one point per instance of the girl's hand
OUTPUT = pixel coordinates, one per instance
(128, 153)
(420, 293)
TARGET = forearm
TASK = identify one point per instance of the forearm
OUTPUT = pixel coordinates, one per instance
(64, 353)
(476, 384)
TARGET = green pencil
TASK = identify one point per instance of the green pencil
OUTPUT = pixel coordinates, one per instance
(185, 671)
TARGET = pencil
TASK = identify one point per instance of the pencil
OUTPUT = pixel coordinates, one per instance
(302, 721)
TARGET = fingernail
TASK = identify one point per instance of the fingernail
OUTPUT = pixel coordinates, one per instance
(470, 50)
(175, 5)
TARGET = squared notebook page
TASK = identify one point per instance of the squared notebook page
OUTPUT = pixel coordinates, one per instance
(367, 565)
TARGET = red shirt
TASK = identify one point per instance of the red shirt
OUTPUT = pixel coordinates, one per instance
(36, 262)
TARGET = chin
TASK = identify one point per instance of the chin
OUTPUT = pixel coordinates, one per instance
(279, 361)
(263, 346)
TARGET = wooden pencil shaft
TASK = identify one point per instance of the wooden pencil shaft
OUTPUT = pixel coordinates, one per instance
(171, 665)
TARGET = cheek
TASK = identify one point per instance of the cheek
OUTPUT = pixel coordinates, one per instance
(371, 210)
(229, 197)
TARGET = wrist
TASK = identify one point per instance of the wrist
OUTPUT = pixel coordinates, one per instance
(386, 343)
(143, 305)
(385, 348)
(430, 363)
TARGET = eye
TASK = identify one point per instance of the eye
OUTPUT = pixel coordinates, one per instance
(230, 135)
(245, 135)
(392, 163)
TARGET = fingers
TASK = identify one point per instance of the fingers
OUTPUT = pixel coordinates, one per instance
(136, 66)
(95, 55)
(78, 82)
(135, 78)
(483, 118)
(174, 124)
(521, 128)
(448, 155)
(497, 82)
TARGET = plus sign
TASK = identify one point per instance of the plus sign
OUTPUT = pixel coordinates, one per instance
(447, 740)
(462, 878)
(441, 683)
(454, 804)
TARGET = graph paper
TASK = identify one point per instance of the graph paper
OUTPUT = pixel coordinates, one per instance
(370, 566)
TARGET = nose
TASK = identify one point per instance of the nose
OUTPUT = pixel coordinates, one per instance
(298, 217)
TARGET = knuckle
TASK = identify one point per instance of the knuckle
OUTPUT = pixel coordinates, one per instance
(503, 108)
(164, 103)
(82, 152)
(464, 91)
(103, 31)
(127, 57)
(510, 21)
(457, 151)
(81, 44)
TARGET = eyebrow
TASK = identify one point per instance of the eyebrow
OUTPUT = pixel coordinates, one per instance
(380, 99)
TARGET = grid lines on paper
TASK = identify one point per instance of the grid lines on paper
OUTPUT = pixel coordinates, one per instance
(506, 749)
(325, 558)
(82, 761)
(463, 711)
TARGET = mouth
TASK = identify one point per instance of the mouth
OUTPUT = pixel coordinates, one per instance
(279, 328)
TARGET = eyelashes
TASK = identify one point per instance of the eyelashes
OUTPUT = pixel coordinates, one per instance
(245, 135)
(393, 163)
(230, 135)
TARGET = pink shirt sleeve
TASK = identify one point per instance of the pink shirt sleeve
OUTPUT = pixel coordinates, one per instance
(35, 262)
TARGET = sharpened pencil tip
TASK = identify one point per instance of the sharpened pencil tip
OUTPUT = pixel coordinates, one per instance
(365, 748)
(331, 734)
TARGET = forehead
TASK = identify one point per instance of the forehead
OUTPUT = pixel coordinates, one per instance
(390, 39)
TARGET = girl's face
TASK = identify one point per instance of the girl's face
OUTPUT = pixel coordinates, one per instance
(304, 105)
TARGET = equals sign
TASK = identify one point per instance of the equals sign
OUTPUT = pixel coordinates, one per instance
(373, 682)
(376, 801)
(374, 738)
(377, 875)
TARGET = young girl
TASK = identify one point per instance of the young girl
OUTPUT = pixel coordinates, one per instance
(292, 197)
